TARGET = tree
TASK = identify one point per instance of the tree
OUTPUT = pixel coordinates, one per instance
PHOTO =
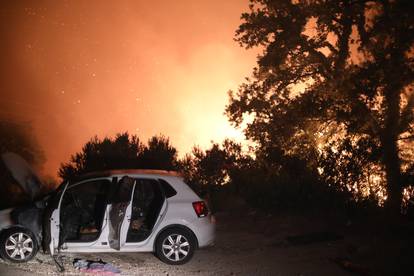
(207, 171)
(159, 154)
(330, 69)
(122, 152)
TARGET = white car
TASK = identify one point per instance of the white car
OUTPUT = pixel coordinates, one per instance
(111, 211)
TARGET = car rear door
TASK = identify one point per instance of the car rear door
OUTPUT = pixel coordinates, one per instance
(148, 207)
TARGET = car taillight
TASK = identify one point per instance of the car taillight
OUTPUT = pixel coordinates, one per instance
(200, 208)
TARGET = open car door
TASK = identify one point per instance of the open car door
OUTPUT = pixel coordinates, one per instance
(148, 207)
(120, 212)
(77, 221)
(54, 219)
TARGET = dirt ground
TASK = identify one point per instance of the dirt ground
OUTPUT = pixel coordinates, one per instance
(252, 244)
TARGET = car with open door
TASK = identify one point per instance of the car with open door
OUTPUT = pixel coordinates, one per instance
(111, 211)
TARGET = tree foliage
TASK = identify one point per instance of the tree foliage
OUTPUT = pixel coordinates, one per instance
(124, 151)
(159, 154)
(208, 171)
(270, 181)
(330, 69)
(205, 169)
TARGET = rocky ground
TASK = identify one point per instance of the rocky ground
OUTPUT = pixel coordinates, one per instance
(253, 244)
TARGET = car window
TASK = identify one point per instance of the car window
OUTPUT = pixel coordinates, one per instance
(123, 191)
(169, 191)
(85, 194)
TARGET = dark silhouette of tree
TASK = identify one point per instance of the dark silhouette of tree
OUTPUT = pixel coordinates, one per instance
(207, 171)
(270, 181)
(353, 165)
(329, 70)
(122, 152)
(159, 154)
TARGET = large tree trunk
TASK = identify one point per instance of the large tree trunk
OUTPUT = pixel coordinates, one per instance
(393, 173)
(391, 159)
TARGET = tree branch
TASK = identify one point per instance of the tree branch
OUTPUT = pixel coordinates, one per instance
(407, 114)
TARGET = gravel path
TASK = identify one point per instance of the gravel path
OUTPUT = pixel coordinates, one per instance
(244, 246)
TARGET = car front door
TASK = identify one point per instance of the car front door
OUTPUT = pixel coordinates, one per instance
(53, 219)
(78, 220)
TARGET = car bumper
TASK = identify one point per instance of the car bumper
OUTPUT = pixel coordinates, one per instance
(205, 230)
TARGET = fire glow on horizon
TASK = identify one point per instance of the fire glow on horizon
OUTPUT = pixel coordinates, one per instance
(78, 69)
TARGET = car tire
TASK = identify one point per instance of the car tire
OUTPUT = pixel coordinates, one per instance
(18, 245)
(175, 246)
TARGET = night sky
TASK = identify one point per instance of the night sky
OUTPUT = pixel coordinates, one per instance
(75, 69)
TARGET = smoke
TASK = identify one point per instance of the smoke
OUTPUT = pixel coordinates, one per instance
(78, 69)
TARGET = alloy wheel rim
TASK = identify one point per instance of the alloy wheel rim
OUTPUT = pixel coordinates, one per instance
(175, 247)
(19, 246)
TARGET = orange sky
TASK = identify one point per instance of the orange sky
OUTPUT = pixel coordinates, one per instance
(75, 69)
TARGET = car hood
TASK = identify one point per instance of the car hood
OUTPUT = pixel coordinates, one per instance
(22, 173)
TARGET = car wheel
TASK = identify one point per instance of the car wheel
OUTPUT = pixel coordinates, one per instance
(18, 245)
(175, 246)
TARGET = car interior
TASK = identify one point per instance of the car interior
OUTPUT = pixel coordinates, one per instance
(146, 206)
(82, 211)
(83, 208)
